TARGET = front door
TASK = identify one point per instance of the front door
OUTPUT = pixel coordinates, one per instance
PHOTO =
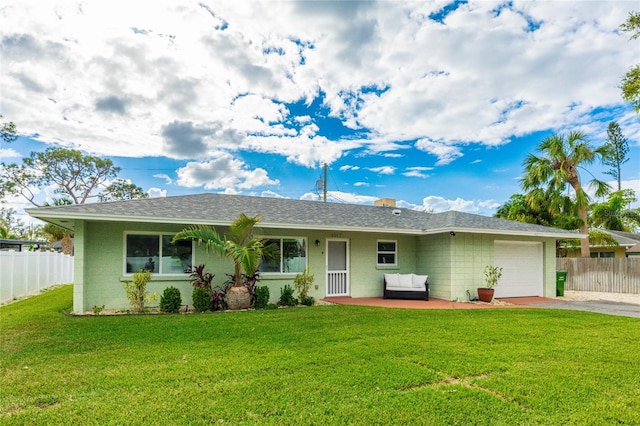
(337, 267)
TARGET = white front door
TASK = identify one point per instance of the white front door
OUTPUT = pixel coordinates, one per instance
(337, 262)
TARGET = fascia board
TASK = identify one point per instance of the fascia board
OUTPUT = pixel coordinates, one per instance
(555, 235)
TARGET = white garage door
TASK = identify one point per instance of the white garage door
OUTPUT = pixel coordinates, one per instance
(522, 268)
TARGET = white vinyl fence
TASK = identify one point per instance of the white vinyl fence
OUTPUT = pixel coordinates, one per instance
(23, 273)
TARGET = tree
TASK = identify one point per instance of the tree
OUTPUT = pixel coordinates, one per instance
(8, 131)
(519, 209)
(631, 81)
(557, 169)
(239, 244)
(77, 177)
(614, 214)
(121, 189)
(619, 148)
(17, 229)
(541, 208)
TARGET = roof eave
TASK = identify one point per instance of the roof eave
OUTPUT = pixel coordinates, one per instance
(53, 215)
(545, 234)
(182, 221)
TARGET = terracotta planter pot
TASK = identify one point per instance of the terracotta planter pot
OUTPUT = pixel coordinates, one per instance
(485, 294)
(238, 298)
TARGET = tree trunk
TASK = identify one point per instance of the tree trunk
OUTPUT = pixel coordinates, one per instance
(574, 181)
(585, 251)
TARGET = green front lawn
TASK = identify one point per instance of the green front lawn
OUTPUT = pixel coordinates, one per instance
(320, 365)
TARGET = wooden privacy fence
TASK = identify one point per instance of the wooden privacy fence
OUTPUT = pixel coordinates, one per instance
(607, 275)
(23, 273)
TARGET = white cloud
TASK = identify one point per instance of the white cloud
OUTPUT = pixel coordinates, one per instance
(166, 178)
(9, 153)
(418, 172)
(440, 204)
(107, 78)
(383, 170)
(340, 197)
(156, 192)
(271, 194)
(446, 153)
(223, 172)
(357, 184)
(348, 167)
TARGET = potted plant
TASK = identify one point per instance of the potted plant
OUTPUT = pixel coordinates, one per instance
(492, 275)
(241, 246)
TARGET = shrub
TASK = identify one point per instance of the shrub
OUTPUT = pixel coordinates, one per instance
(251, 282)
(308, 301)
(271, 306)
(286, 296)
(137, 290)
(302, 283)
(201, 299)
(217, 302)
(199, 278)
(170, 301)
(262, 297)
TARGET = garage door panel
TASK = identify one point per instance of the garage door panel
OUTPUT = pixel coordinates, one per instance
(522, 268)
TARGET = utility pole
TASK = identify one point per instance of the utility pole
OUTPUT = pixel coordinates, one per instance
(324, 186)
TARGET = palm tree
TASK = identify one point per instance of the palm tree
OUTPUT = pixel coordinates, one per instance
(557, 168)
(615, 214)
(239, 244)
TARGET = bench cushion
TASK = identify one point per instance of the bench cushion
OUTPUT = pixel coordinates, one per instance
(418, 281)
(392, 280)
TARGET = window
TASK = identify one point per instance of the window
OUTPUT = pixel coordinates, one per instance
(598, 254)
(387, 252)
(156, 253)
(293, 256)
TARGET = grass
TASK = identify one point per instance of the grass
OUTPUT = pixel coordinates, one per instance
(321, 365)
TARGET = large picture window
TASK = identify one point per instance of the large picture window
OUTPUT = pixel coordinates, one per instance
(293, 256)
(156, 253)
(387, 253)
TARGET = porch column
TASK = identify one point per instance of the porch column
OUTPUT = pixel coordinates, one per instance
(78, 266)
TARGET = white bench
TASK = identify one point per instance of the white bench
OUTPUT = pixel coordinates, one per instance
(406, 286)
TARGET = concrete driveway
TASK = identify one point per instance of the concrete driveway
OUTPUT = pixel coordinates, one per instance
(599, 306)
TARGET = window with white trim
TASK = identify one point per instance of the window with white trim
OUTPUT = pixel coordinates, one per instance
(293, 256)
(387, 252)
(156, 253)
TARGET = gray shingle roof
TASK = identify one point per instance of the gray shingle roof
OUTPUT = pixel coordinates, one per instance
(220, 209)
(626, 239)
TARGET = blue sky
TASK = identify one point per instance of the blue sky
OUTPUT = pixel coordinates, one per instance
(434, 104)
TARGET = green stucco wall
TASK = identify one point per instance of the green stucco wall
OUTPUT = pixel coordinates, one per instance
(454, 264)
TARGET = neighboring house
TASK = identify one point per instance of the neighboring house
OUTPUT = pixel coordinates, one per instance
(628, 238)
(21, 245)
(628, 245)
(347, 247)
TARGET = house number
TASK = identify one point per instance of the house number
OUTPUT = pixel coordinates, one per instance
(336, 235)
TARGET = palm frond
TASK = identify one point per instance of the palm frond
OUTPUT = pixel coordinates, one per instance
(202, 234)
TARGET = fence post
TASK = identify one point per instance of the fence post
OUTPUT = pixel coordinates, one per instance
(12, 273)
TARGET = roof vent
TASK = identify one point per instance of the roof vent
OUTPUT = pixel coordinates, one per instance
(396, 212)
